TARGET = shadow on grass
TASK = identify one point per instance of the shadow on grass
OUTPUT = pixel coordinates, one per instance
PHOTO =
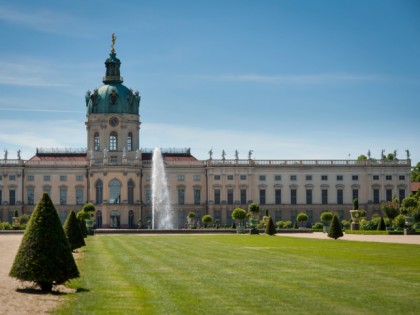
(57, 292)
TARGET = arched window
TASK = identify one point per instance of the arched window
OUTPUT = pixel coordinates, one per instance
(130, 141)
(99, 192)
(96, 145)
(113, 141)
(131, 219)
(114, 191)
(130, 196)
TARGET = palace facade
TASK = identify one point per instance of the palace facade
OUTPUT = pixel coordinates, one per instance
(114, 173)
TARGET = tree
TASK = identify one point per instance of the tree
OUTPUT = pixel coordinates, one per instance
(362, 157)
(270, 229)
(391, 209)
(326, 216)
(355, 204)
(73, 231)
(415, 173)
(254, 208)
(44, 255)
(206, 219)
(239, 214)
(302, 217)
(335, 230)
(381, 225)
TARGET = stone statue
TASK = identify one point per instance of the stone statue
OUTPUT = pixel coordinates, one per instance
(138, 154)
(91, 157)
(236, 155)
(18, 154)
(223, 155)
(113, 39)
(105, 151)
(250, 154)
(124, 153)
(211, 153)
(408, 154)
(5, 154)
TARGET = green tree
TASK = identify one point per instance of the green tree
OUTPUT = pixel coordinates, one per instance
(270, 229)
(415, 173)
(302, 217)
(362, 157)
(391, 209)
(381, 225)
(206, 219)
(335, 230)
(254, 208)
(44, 255)
(326, 216)
(73, 231)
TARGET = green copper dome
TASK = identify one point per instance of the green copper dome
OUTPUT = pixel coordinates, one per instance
(113, 96)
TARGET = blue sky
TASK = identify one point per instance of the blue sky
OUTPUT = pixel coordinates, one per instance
(286, 79)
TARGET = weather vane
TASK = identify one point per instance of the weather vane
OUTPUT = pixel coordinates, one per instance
(114, 38)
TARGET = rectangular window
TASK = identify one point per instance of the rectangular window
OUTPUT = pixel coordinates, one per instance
(181, 196)
(262, 177)
(47, 178)
(79, 196)
(376, 196)
(114, 159)
(339, 177)
(262, 196)
(310, 214)
(401, 194)
(230, 177)
(1, 177)
(355, 177)
(148, 196)
(243, 197)
(388, 194)
(293, 177)
(375, 177)
(216, 177)
(324, 196)
(63, 178)
(355, 194)
(79, 178)
(30, 194)
(148, 178)
(388, 177)
(197, 196)
(230, 196)
(242, 177)
(1, 197)
(340, 199)
(181, 178)
(12, 177)
(63, 196)
(324, 177)
(277, 193)
(277, 215)
(197, 178)
(308, 196)
(277, 177)
(401, 177)
(217, 196)
(293, 215)
(12, 197)
(308, 177)
(293, 196)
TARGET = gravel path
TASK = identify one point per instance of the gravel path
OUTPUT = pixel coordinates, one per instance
(17, 299)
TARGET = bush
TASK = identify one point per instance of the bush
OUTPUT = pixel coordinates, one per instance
(5, 226)
(345, 224)
(335, 229)
(399, 221)
(391, 209)
(318, 226)
(73, 231)
(191, 215)
(302, 217)
(368, 225)
(270, 228)
(287, 224)
(44, 255)
(381, 225)
(239, 214)
(326, 216)
(206, 219)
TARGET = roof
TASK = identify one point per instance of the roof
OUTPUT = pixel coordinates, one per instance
(171, 157)
(415, 186)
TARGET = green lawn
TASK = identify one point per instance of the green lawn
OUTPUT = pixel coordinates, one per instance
(243, 274)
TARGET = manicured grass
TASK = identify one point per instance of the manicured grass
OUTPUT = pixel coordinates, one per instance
(244, 274)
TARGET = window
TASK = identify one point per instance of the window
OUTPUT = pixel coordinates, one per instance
(293, 177)
(99, 192)
(340, 200)
(96, 145)
(277, 215)
(376, 196)
(324, 177)
(47, 190)
(388, 177)
(47, 178)
(388, 194)
(324, 196)
(243, 196)
(242, 177)
(197, 178)
(12, 177)
(114, 191)
(181, 196)
(293, 196)
(113, 141)
(355, 194)
(308, 196)
(277, 177)
(216, 177)
(308, 177)
(114, 159)
(130, 192)
(230, 177)
(148, 196)
(63, 178)
(12, 197)
(217, 196)
(131, 219)
(79, 178)
(339, 177)
(401, 194)
(148, 177)
(1, 177)
(79, 196)
(355, 177)
(181, 178)
(230, 196)
(1, 196)
(375, 177)
(197, 196)
(30, 195)
(401, 177)
(262, 177)
(63, 195)
(262, 196)
(130, 141)
(277, 196)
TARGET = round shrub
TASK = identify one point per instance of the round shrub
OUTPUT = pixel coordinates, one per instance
(302, 217)
(318, 226)
(326, 216)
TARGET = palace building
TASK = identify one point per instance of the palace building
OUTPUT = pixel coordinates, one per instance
(114, 173)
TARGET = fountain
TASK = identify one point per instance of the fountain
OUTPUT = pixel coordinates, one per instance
(161, 203)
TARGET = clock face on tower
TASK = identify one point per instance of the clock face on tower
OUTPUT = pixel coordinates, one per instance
(113, 121)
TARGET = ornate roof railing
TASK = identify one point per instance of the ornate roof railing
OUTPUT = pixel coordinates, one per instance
(60, 150)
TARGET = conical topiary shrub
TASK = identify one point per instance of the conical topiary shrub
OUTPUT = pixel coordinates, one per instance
(73, 231)
(335, 230)
(44, 256)
(270, 229)
(381, 225)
